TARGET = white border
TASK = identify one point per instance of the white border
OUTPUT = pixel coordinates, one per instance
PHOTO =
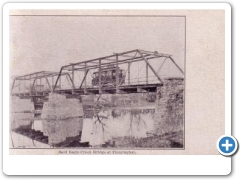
(115, 165)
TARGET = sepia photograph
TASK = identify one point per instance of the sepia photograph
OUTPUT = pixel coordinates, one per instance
(97, 81)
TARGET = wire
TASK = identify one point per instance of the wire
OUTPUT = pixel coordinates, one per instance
(161, 65)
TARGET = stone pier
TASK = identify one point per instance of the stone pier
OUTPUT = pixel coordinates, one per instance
(169, 114)
(62, 118)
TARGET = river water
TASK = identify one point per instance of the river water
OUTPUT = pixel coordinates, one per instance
(117, 123)
(95, 128)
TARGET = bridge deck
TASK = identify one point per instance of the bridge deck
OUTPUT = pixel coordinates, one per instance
(94, 90)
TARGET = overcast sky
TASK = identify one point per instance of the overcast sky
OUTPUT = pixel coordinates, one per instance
(45, 43)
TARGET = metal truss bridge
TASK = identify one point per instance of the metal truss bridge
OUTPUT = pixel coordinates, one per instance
(126, 72)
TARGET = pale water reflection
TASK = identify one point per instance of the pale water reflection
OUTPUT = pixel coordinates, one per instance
(114, 123)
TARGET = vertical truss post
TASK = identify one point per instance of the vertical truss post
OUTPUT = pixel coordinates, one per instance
(73, 79)
(150, 67)
(146, 73)
(85, 82)
(117, 75)
(129, 64)
(100, 77)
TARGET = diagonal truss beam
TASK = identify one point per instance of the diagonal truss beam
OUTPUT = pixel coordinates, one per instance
(176, 65)
(149, 65)
(85, 75)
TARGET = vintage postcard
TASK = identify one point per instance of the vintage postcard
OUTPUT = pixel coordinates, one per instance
(116, 81)
(88, 81)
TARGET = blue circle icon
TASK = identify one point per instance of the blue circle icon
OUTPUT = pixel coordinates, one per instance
(227, 145)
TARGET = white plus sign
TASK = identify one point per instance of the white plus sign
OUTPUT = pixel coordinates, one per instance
(227, 145)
